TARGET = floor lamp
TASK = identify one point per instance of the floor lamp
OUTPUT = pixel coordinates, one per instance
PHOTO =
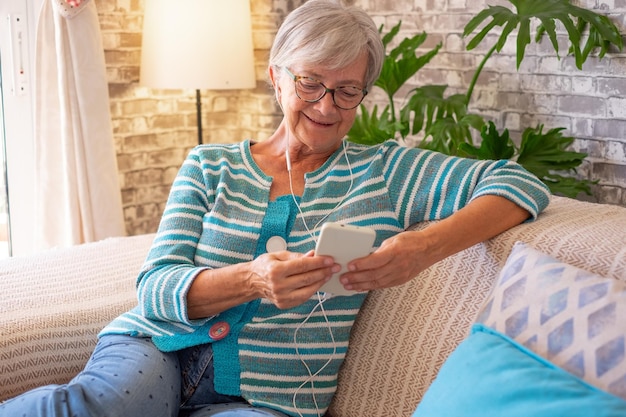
(197, 44)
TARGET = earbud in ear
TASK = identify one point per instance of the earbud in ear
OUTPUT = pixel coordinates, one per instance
(288, 158)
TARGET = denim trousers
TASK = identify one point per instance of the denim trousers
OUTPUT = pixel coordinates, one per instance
(128, 377)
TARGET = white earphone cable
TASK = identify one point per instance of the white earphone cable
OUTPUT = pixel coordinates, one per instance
(312, 376)
(321, 300)
(295, 200)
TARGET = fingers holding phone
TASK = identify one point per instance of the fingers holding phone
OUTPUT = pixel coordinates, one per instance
(288, 279)
(398, 260)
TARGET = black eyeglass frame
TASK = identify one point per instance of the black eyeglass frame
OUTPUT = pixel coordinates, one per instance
(297, 78)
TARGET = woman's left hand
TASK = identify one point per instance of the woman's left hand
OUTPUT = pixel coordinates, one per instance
(395, 262)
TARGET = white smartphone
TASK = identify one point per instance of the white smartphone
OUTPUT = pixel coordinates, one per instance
(345, 243)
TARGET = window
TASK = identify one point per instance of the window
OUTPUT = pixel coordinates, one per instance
(18, 20)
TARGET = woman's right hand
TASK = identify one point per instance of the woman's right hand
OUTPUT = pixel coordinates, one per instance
(287, 279)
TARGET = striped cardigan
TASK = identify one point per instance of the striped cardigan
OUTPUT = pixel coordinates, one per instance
(219, 213)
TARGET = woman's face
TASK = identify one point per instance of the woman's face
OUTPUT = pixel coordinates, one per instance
(319, 126)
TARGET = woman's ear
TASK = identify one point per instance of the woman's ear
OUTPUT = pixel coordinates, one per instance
(274, 80)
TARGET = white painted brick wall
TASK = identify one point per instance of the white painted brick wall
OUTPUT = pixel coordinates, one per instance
(590, 104)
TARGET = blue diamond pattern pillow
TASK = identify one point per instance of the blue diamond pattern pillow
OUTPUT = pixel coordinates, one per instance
(571, 317)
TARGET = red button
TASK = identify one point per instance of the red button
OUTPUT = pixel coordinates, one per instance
(219, 330)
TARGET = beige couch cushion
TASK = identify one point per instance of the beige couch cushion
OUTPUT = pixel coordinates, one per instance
(54, 304)
(403, 335)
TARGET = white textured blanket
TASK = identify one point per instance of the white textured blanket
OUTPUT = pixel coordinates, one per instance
(54, 304)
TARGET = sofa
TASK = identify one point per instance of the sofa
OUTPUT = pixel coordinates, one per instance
(54, 303)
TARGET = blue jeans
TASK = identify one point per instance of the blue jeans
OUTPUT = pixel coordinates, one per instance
(128, 377)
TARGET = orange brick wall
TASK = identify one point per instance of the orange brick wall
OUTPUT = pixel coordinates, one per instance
(154, 129)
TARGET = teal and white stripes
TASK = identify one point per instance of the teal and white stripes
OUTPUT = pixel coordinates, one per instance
(306, 341)
(216, 214)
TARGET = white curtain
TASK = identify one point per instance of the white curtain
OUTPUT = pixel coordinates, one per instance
(77, 184)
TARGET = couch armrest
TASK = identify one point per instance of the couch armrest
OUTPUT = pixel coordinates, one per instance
(404, 334)
(54, 303)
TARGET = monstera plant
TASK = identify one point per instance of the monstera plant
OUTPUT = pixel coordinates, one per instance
(445, 122)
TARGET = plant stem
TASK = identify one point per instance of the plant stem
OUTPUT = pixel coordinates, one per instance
(392, 108)
(477, 74)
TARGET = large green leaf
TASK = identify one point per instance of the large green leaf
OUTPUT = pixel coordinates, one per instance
(447, 134)
(371, 129)
(428, 104)
(493, 145)
(402, 62)
(546, 154)
(602, 32)
(568, 186)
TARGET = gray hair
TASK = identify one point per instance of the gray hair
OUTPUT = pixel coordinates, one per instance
(328, 33)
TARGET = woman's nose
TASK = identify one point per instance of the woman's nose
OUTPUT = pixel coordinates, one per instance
(326, 104)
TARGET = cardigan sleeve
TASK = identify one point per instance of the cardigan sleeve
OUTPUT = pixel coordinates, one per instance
(428, 185)
(169, 269)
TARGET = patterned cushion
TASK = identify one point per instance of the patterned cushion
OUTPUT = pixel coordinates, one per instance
(567, 315)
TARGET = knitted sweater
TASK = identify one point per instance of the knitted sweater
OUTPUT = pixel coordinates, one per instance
(219, 213)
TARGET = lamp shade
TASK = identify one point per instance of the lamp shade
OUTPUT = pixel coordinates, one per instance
(199, 44)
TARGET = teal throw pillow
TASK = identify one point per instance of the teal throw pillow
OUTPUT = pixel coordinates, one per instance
(491, 375)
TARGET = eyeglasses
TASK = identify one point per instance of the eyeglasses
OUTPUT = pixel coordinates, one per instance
(311, 90)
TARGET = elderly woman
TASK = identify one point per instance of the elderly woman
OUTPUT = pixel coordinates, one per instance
(230, 310)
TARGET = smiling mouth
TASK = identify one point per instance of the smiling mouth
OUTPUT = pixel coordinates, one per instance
(318, 122)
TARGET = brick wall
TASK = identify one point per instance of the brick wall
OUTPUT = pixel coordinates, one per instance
(590, 104)
(154, 129)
